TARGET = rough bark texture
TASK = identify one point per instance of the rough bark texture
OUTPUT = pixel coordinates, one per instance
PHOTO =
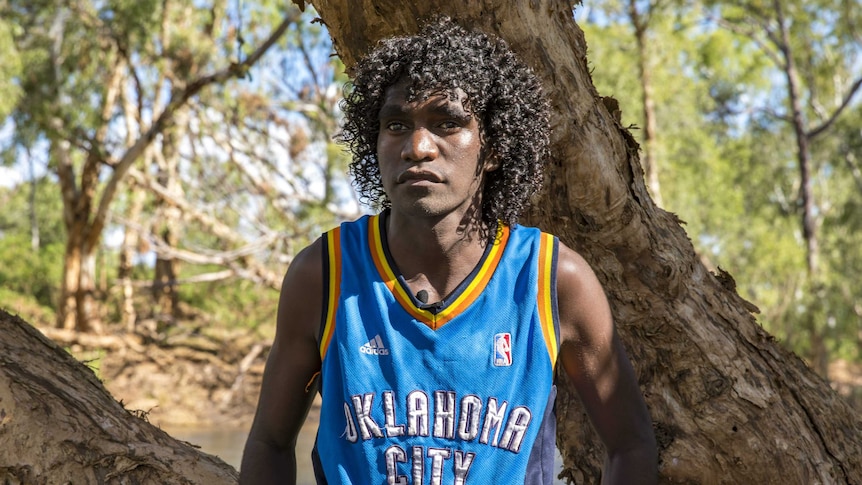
(58, 424)
(729, 404)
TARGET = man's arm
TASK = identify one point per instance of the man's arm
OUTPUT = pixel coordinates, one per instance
(285, 395)
(594, 358)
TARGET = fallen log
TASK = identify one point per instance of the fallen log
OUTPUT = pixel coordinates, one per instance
(58, 424)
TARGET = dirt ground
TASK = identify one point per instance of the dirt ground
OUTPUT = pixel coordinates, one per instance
(188, 380)
(846, 378)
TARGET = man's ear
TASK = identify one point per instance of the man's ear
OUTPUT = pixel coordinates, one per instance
(492, 161)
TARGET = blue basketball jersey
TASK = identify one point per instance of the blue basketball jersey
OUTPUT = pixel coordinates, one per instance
(461, 393)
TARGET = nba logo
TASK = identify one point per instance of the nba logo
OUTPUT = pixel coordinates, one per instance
(503, 349)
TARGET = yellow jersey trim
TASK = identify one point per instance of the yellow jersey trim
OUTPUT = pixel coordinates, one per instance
(333, 252)
(464, 299)
(546, 295)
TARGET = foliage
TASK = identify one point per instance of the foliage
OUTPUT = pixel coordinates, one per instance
(24, 304)
(230, 169)
(10, 69)
(730, 156)
(34, 273)
(26, 271)
(238, 303)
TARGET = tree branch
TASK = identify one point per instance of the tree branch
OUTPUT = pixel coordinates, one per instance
(751, 33)
(167, 117)
(201, 278)
(853, 166)
(221, 258)
(844, 103)
(213, 224)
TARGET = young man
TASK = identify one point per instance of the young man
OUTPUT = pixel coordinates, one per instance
(432, 329)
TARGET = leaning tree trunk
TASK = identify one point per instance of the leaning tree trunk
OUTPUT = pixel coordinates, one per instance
(729, 404)
(58, 424)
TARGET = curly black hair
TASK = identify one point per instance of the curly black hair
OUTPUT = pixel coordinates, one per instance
(502, 92)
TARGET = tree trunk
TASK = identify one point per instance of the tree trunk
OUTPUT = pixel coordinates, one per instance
(130, 246)
(89, 317)
(58, 424)
(167, 227)
(803, 151)
(67, 307)
(729, 404)
(77, 302)
(640, 23)
(76, 306)
(813, 325)
(34, 221)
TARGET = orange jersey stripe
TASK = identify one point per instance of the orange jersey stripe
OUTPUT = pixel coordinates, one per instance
(375, 242)
(333, 249)
(482, 277)
(545, 303)
(467, 297)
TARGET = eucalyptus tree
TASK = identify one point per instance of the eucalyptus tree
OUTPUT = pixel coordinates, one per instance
(78, 57)
(728, 155)
(688, 67)
(816, 53)
(254, 172)
(650, 25)
(720, 176)
(840, 204)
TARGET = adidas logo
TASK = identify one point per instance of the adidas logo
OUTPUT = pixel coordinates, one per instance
(374, 347)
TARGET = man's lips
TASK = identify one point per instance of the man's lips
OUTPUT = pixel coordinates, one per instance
(408, 176)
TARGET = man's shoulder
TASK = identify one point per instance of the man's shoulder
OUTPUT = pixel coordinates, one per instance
(308, 260)
(358, 221)
(571, 266)
(526, 227)
(526, 233)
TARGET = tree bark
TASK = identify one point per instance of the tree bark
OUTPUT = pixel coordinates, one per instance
(58, 424)
(729, 404)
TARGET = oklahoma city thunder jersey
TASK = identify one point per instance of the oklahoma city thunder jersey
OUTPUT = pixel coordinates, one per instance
(460, 392)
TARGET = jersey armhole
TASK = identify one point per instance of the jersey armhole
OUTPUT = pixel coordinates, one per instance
(331, 287)
(547, 295)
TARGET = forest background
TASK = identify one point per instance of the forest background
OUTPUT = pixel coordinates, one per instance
(162, 162)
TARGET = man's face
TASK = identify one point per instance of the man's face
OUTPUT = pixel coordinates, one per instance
(430, 154)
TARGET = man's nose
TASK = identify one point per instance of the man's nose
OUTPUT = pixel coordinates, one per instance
(419, 146)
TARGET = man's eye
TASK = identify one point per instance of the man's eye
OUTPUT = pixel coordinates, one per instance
(449, 125)
(395, 126)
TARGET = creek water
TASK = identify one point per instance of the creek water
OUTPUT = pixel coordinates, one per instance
(227, 443)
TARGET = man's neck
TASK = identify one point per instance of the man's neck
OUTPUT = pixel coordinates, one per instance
(435, 255)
